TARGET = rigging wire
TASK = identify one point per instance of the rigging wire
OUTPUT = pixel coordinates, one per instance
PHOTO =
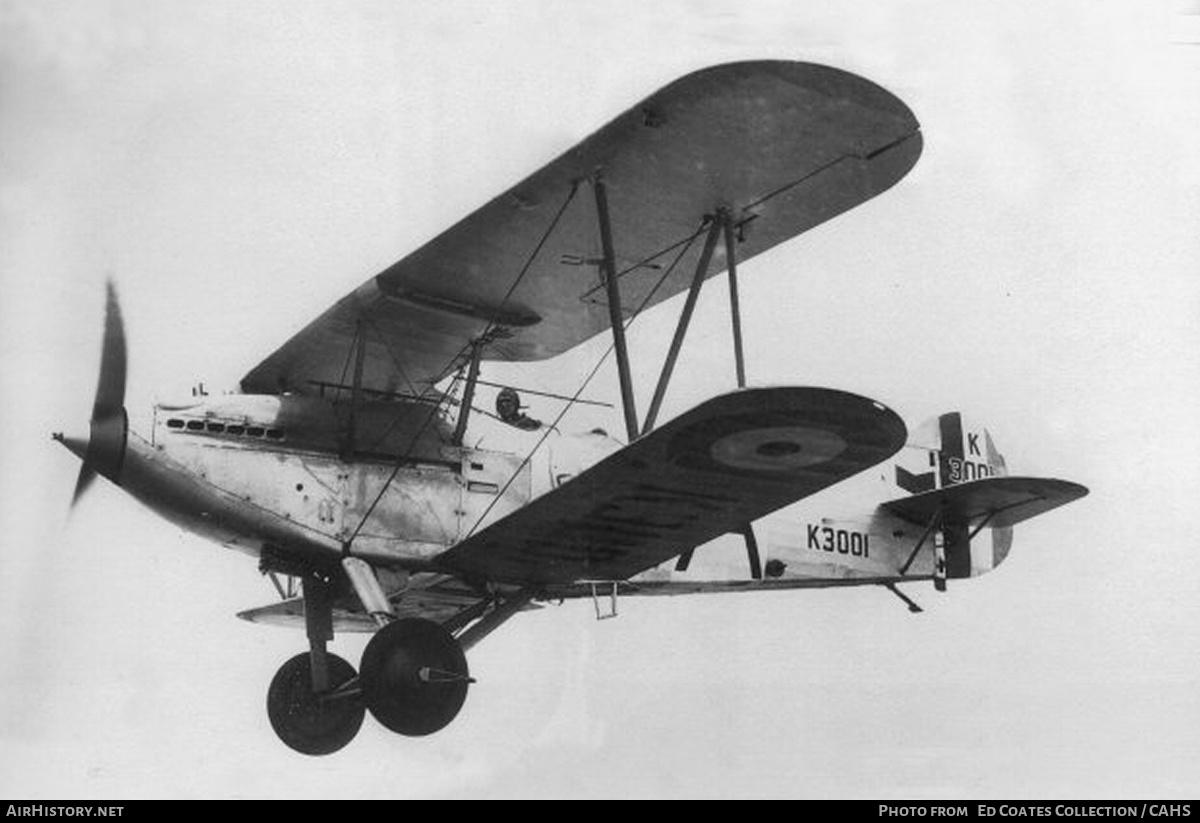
(416, 399)
(346, 365)
(532, 256)
(450, 364)
(391, 477)
(536, 393)
(492, 324)
(600, 362)
(645, 261)
(395, 360)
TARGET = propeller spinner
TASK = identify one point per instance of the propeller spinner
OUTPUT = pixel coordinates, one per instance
(102, 449)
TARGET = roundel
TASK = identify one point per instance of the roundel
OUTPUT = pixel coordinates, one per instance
(779, 448)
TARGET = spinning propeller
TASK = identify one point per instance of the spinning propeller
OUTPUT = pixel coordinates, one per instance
(102, 449)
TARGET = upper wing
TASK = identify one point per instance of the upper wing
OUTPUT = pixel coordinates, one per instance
(1005, 501)
(721, 465)
(784, 146)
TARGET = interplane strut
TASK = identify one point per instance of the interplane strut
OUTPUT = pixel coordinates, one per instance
(613, 289)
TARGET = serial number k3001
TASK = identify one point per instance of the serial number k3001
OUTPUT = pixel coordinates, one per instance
(841, 541)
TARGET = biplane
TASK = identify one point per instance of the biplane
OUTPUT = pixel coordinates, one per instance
(344, 466)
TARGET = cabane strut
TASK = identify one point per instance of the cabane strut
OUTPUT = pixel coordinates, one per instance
(464, 410)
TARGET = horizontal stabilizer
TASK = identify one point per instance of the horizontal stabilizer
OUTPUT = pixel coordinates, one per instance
(725, 463)
(1004, 501)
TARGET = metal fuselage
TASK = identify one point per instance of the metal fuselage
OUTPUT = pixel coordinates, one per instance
(276, 477)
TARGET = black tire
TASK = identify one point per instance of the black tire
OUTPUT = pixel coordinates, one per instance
(393, 689)
(304, 722)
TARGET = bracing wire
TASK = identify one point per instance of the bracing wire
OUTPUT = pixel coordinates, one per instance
(391, 477)
(457, 356)
(596, 368)
(346, 365)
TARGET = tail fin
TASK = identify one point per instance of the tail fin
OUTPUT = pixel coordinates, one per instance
(968, 453)
(956, 451)
(959, 451)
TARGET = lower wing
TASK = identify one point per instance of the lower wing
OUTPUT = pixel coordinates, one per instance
(725, 463)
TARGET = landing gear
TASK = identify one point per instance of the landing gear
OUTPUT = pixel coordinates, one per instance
(414, 677)
(414, 674)
(311, 722)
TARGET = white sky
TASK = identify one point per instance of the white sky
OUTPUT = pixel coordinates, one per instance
(237, 167)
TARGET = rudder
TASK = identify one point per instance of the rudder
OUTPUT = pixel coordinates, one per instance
(960, 450)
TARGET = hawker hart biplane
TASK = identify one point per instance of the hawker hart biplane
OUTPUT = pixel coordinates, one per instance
(343, 465)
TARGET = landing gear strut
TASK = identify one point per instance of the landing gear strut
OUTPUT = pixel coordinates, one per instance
(414, 677)
(313, 703)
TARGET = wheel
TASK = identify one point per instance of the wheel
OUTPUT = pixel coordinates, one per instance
(414, 677)
(302, 720)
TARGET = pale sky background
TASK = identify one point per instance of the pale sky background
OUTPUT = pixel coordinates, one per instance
(237, 167)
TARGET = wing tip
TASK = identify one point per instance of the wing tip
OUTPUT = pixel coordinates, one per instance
(830, 81)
